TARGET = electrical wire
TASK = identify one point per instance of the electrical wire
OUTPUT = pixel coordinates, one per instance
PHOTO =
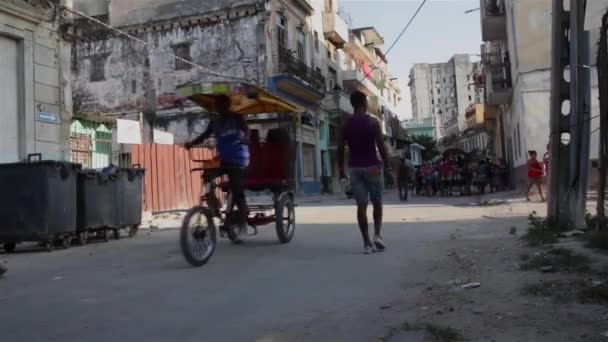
(162, 51)
(398, 37)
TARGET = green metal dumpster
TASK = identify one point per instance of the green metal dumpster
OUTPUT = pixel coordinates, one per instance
(38, 203)
(129, 188)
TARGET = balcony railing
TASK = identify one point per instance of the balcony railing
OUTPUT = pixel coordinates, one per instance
(493, 20)
(336, 103)
(289, 64)
(497, 81)
(494, 7)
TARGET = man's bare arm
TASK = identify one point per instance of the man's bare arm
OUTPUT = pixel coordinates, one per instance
(380, 143)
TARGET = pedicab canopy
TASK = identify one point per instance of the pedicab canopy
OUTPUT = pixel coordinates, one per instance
(244, 98)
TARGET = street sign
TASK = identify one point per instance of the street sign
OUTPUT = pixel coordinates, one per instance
(48, 117)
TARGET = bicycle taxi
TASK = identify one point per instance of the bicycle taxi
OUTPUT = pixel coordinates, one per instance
(270, 170)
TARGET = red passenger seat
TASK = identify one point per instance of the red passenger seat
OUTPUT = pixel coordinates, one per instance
(254, 171)
(275, 164)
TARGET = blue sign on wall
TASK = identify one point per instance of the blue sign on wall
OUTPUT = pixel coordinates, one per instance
(48, 117)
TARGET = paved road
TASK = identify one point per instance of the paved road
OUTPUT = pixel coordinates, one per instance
(317, 288)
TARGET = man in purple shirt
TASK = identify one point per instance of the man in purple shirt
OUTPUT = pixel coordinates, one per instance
(362, 134)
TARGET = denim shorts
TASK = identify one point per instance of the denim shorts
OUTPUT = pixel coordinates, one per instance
(367, 185)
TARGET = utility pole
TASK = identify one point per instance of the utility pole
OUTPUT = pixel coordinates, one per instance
(569, 159)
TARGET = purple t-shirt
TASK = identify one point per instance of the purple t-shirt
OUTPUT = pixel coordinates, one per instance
(360, 136)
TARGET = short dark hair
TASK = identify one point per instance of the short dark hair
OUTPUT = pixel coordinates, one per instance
(357, 99)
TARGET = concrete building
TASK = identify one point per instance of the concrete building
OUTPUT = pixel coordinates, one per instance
(268, 43)
(35, 88)
(443, 91)
(517, 73)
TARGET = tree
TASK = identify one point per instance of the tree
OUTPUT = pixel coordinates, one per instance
(429, 144)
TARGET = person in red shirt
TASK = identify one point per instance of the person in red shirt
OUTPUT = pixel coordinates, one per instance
(535, 175)
(446, 170)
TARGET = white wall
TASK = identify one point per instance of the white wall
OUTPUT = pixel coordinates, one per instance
(43, 74)
(529, 30)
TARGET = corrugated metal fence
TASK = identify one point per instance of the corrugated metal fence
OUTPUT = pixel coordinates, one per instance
(169, 183)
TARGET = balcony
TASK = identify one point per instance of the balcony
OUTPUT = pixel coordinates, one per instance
(497, 79)
(306, 5)
(335, 29)
(288, 64)
(355, 79)
(336, 104)
(493, 20)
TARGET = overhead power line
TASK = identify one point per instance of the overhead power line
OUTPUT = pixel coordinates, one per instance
(162, 51)
(399, 36)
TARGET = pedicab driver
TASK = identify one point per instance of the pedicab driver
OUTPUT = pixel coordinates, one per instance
(363, 136)
(231, 134)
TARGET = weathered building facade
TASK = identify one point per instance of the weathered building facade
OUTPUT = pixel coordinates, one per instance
(294, 48)
(35, 88)
(267, 43)
(517, 77)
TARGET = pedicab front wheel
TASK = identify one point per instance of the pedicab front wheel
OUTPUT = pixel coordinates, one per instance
(198, 236)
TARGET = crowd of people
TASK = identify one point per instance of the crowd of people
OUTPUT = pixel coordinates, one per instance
(453, 176)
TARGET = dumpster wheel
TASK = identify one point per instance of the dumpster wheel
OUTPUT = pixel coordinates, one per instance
(82, 238)
(66, 242)
(133, 231)
(105, 235)
(9, 247)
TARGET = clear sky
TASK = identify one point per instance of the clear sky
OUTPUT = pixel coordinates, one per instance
(440, 30)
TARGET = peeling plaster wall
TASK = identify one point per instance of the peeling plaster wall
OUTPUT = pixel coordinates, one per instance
(43, 77)
(133, 72)
(132, 12)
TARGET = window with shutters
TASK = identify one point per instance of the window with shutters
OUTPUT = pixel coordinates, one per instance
(183, 52)
(301, 49)
(282, 33)
(98, 68)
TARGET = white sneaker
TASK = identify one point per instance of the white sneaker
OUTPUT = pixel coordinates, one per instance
(379, 243)
(368, 250)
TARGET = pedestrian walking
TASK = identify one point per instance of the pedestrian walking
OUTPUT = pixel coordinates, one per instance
(363, 135)
(3, 270)
(419, 177)
(535, 175)
(490, 170)
(403, 179)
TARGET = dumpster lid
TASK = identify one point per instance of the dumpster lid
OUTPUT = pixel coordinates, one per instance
(42, 162)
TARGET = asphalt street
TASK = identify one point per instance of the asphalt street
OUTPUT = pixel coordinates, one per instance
(317, 288)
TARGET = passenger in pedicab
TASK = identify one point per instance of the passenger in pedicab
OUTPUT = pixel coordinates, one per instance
(232, 137)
